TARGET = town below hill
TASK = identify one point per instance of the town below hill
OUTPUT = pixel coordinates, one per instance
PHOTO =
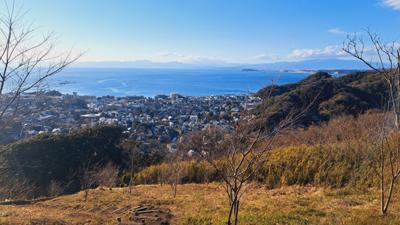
(165, 118)
(162, 118)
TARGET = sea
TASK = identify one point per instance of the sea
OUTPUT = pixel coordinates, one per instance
(152, 82)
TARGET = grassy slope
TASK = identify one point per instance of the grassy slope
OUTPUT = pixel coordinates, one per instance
(205, 204)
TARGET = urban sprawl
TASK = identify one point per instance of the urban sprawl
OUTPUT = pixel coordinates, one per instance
(163, 118)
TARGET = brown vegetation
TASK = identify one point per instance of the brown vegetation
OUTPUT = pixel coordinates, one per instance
(331, 154)
(385, 61)
(346, 152)
(205, 204)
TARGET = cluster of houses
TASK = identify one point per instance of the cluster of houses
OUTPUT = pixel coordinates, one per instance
(163, 117)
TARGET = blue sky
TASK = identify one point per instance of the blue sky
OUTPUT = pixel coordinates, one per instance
(240, 31)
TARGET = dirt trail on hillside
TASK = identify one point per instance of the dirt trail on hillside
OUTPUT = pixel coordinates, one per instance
(150, 215)
(143, 214)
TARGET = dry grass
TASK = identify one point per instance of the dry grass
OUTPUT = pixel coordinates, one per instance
(206, 204)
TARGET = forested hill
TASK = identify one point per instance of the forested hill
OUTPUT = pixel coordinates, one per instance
(321, 96)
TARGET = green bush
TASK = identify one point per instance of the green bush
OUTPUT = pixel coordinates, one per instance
(37, 162)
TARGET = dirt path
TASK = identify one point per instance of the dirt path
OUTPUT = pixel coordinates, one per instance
(151, 215)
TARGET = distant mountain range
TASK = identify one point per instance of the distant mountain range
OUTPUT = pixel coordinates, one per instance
(311, 64)
(147, 64)
(132, 64)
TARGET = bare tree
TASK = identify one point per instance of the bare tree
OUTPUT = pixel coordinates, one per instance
(173, 174)
(19, 188)
(27, 60)
(55, 188)
(14, 184)
(87, 178)
(384, 59)
(235, 155)
(107, 175)
(388, 160)
(92, 174)
(132, 156)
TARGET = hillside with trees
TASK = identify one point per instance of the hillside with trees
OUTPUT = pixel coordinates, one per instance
(31, 167)
(324, 96)
(48, 165)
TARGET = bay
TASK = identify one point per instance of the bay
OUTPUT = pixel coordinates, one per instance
(151, 82)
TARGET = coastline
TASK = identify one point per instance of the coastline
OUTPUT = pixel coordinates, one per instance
(152, 82)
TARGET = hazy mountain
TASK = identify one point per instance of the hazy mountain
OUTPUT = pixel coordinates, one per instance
(312, 64)
(154, 65)
(132, 64)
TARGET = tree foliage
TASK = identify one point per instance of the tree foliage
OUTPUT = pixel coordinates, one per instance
(58, 158)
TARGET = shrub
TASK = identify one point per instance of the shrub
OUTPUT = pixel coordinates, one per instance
(334, 166)
(46, 159)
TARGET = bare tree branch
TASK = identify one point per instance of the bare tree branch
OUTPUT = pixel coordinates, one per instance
(385, 145)
(25, 63)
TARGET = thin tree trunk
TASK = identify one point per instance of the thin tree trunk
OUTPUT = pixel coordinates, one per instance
(237, 212)
(174, 186)
(382, 195)
(230, 213)
(389, 198)
(86, 194)
(130, 185)
(234, 209)
(382, 161)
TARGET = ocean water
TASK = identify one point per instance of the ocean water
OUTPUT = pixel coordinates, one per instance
(151, 82)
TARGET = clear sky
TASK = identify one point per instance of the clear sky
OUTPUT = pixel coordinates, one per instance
(245, 31)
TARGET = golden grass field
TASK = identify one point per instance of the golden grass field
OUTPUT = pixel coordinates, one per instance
(206, 204)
